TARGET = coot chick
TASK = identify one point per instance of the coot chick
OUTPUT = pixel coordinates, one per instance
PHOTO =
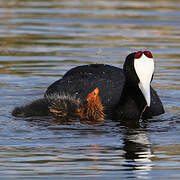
(64, 106)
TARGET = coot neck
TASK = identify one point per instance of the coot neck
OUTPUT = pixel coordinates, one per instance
(135, 93)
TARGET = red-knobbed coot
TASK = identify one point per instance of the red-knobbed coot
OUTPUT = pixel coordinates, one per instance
(99, 91)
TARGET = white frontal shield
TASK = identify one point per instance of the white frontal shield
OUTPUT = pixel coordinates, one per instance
(144, 68)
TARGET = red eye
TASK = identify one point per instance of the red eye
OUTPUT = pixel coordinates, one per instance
(138, 54)
(148, 54)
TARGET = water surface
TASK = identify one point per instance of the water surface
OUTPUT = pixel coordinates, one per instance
(40, 41)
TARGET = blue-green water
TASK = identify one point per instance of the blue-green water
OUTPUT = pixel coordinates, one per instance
(40, 41)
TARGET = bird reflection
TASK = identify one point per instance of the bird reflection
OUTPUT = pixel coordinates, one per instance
(137, 149)
(97, 145)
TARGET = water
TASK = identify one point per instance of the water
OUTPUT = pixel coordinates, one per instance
(40, 41)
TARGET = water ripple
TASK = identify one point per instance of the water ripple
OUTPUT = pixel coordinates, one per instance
(40, 42)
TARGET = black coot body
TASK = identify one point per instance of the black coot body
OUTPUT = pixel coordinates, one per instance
(120, 96)
(81, 80)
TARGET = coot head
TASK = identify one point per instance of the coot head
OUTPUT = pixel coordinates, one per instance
(139, 70)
